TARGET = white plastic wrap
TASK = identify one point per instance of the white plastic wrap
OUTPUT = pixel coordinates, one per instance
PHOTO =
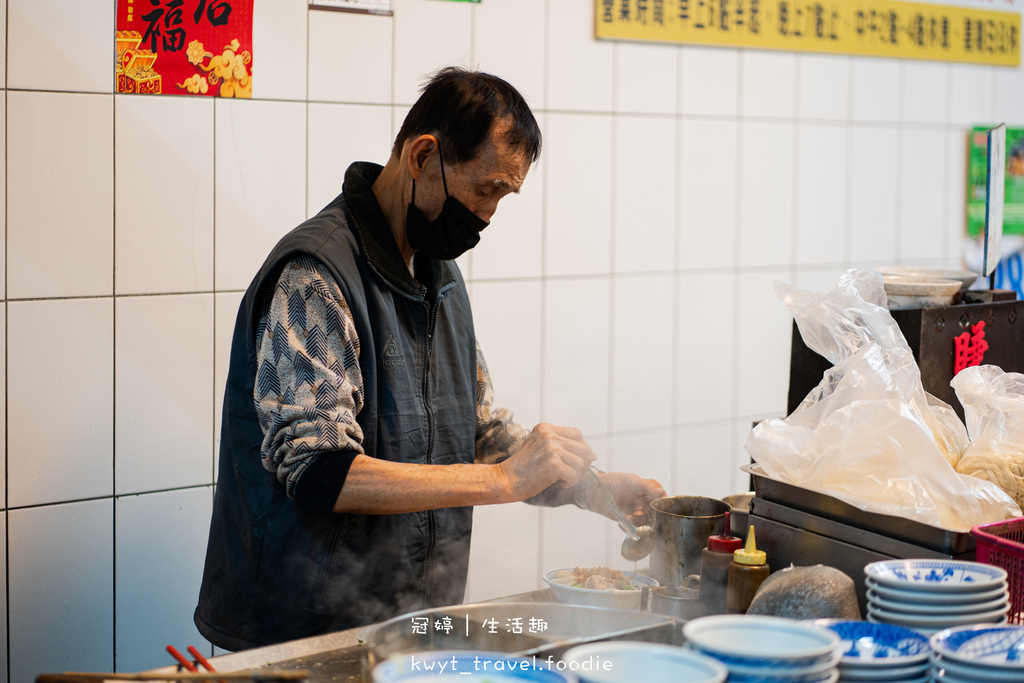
(869, 434)
(993, 403)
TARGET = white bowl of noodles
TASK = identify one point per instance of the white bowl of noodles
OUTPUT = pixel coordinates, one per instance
(598, 587)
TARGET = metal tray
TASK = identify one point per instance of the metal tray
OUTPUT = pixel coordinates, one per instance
(492, 626)
(821, 504)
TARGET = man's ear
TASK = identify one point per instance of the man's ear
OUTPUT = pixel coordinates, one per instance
(419, 152)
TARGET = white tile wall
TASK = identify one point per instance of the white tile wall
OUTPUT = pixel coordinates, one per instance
(710, 81)
(508, 320)
(504, 557)
(766, 194)
(646, 78)
(508, 39)
(763, 335)
(696, 448)
(643, 237)
(367, 43)
(157, 584)
(579, 68)
(61, 565)
(165, 143)
(279, 29)
(704, 339)
(69, 240)
(642, 358)
(163, 368)
(875, 90)
(874, 183)
(820, 192)
(332, 127)
(922, 225)
(579, 174)
(54, 45)
(60, 429)
(823, 87)
(971, 95)
(3, 402)
(924, 91)
(576, 353)
(707, 194)
(626, 291)
(768, 84)
(260, 189)
(3, 601)
(442, 35)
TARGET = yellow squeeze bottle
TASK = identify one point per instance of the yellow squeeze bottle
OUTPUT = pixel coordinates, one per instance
(749, 567)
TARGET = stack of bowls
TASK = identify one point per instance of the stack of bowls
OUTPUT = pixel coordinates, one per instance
(881, 652)
(762, 649)
(979, 654)
(931, 595)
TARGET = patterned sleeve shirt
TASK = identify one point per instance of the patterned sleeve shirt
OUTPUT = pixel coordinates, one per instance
(309, 389)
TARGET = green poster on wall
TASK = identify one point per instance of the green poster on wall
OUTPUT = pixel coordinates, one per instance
(977, 161)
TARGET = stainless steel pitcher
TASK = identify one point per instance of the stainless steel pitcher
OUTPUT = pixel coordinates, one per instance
(682, 525)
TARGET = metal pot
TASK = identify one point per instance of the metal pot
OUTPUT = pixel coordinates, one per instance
(739, 520)
(682, 525)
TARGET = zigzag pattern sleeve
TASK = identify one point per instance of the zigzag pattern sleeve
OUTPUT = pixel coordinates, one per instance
(309, 387)
(497, 436)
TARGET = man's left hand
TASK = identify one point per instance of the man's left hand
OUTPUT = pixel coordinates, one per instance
(633, 495)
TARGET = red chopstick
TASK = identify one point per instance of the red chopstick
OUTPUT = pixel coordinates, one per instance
(181, 659)
(201, 659)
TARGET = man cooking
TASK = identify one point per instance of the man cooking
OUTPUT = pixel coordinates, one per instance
(358, 426)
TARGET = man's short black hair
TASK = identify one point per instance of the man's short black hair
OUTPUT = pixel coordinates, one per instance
(460, 106)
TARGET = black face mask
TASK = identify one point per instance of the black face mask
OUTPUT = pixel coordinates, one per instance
(455, 230)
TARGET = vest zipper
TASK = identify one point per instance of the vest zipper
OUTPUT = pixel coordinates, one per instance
(431, 521)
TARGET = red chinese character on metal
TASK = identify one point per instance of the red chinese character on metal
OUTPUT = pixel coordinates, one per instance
(970, 348)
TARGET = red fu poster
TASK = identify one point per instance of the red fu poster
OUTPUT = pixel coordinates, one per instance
(185, 47)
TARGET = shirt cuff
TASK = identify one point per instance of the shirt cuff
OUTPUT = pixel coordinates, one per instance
(319, 486)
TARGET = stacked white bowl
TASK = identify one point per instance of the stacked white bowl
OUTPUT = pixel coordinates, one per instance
(881, 652)
(762, 649)
(931, 595)
(979, 654)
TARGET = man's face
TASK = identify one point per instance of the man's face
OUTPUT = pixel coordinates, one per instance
(497, 171)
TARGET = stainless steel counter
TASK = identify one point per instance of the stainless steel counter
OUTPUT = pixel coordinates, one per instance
(339, 657)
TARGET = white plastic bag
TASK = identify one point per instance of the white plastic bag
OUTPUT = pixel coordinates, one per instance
(993, 403)
(869, 434)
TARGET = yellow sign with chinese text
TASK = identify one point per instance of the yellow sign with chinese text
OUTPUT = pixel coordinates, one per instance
(880, 28)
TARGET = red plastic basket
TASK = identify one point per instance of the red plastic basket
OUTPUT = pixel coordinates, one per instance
(1002, 544)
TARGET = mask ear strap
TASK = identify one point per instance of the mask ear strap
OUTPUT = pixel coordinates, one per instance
(441, 159)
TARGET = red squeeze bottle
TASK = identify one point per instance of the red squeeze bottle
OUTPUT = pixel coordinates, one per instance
(714, 570)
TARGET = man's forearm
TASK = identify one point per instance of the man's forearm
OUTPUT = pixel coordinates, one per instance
(381, 487)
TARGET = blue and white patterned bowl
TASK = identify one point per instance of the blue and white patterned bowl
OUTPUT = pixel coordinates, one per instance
(983, 647)
(909, 593)
(952, 670)
(936, 575)
(878, 645)
(937, 608)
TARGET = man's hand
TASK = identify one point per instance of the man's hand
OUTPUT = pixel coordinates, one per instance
(549, 454)
(632, 494)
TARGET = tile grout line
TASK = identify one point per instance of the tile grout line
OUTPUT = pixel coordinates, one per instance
(7, 439)
(113, 361)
